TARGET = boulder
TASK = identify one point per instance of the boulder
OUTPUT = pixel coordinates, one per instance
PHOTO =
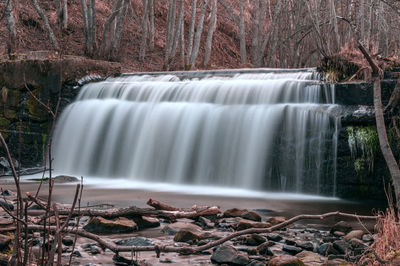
(276, 220)
(341, 246)
(306, 245)
(101, 225)
(254, 240)
(67, 240)
(253, 216)
(4, 242)
(274, 237)
(144, 222)
(285, 260)
(235, 212)
(292, 250)
(354, 234)
(327, 249)
(264, 250)
(246, 224)
(229, 255)
(310, 258)
(186, 236)
(135, 241)
(341, 226)
(172, 229)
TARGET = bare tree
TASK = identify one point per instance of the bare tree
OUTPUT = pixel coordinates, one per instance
(211, 29)
(191, 33)
(199, 31)
(9, 14)
(144, 26)
(50, 32)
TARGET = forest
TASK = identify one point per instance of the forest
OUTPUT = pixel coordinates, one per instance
(183, 35)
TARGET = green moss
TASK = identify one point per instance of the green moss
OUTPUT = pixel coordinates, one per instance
(36, 110)
(364, 144)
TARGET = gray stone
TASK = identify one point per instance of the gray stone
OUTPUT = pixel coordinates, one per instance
(135, 241)
(341, 227)
(292, 250)
(7, 205)
(254, 240)
(228, 255)
(94, 250)
(341, 246)
(285, 260)
(274, 237)
(68, 241)
(172, 229)
(327, 249)
(367, 238)
(306, 245)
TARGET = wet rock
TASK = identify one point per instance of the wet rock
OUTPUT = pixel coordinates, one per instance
(285, 260)
(229, 255)
(367, 238)
(327, 249)
(4, 242)
(264, 250)
(338, 234)
(276, 220)
(290, 242)
(186, 236)
(101, 225)
(166, 260)
(206, 223)
(253, 216)
(337, 262)
(135, 241)
(306, 245)
(6, 193)
(341, 246)
(172, 229)
(76, 253)
(292, 250)
(146, 222)
(235, 212)
(254, 240)
(354, 234)
(68, 241)
(310, 258)
(246, 224)
(329, 239)
(341, 227)
(94, 250)
(256, 263)
(274, 237)
(357, 243)
(7, 205)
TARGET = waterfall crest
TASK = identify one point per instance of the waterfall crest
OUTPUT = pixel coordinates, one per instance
(254, 131)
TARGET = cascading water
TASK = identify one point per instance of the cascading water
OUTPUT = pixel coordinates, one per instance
(265, 131)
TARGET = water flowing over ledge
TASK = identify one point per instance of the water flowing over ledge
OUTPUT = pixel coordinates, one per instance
(264, 131)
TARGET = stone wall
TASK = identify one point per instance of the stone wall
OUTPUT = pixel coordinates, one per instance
(26, 85)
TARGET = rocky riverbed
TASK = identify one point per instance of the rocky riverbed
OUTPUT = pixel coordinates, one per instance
(333, 242)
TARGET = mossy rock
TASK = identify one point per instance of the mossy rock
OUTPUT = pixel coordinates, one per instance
(36, 110)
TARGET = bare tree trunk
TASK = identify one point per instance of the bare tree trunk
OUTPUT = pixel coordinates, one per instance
(170, 33)
(151, 24)
(242, 34)
(255, 30)
(118, 30)
(85, 25)
(181, 11)
(46, 24)
(144, 30)
(106, 38)
(211, 29)
(9, 13)
(199, 31)
(182, 41)
(191, 34)
(65, 15)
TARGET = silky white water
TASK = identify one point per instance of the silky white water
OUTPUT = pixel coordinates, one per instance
(250, 131)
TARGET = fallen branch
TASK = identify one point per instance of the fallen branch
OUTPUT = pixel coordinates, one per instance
(134, 211)
(161, 206)
(196, 249)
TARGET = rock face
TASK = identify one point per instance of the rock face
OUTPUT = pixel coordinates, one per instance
(229, 255)
(43, 77)
(101, 225)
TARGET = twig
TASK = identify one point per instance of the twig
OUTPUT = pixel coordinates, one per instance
(77, 222)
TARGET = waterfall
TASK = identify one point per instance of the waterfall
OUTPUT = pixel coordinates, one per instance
(268, 131)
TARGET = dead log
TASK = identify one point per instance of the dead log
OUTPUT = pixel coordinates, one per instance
(135, 211)
(161, 206)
